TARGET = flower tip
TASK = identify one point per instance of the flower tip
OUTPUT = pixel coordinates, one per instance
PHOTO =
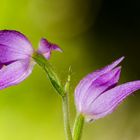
(46, 47)
(121, 58)
(56, 48)
(59, 49)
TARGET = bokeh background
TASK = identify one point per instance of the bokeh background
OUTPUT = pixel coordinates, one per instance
(92, 33)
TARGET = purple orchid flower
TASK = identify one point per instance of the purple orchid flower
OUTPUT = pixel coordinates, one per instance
(16, 52)
(97, 94)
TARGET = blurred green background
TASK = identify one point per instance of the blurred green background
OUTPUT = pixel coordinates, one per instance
(92, 33)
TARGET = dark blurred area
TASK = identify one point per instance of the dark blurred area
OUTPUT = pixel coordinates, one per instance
(117, 32)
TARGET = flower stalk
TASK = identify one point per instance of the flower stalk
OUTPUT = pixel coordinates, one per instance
(78, 127)
(63, 91)
(44, 63)
(66, 118)
(66, 108)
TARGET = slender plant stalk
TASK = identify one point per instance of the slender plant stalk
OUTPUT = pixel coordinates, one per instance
(47, 67)
(66, 118)
(66, 107)
(62, 91)
(78, 127)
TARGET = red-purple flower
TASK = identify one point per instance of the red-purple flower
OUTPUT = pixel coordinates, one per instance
(97, 94)
(16, 52)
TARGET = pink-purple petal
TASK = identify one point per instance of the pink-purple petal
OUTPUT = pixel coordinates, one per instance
(16, 41)
(86, 81)
(98, 87)
(45, 48)
(56, 48)
(9, 54)
(107, 102)
(15, 72)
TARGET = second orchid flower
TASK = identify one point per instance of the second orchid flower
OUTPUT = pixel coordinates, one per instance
(97, 94)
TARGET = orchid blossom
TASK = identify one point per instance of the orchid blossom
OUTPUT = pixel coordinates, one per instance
(98, 95)
(16, 51)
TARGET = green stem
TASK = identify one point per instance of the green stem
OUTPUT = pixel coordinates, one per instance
(66, 118)
(78, 127)
(56, 83)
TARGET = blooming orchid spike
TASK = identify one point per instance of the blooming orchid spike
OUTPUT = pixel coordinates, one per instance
(45, 48)
(16, 61)
(97, 94)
